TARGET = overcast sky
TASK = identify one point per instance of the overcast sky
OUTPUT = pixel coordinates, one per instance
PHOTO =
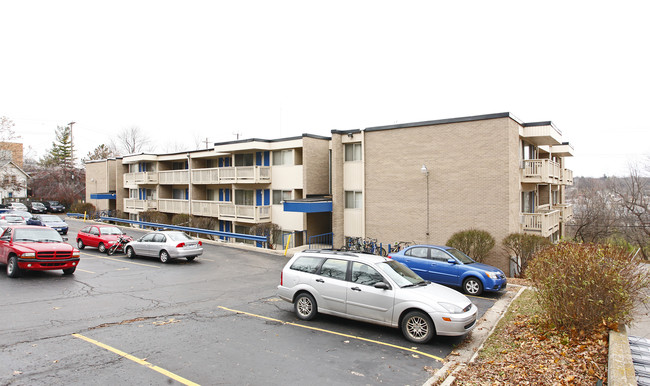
(185, 71)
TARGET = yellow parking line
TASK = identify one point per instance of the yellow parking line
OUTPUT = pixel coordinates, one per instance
(336, 333)
(120, 260)
(83, 270)
(142, 362)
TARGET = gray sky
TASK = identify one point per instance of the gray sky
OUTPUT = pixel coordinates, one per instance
(186, 71)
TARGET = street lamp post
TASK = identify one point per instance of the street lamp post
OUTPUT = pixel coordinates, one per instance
(425, 171)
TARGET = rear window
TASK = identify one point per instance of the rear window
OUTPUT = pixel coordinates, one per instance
(178, 236)
(306, 264)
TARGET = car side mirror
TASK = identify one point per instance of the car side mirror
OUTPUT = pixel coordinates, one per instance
(64, 238)
(451, 261)
(381, 285)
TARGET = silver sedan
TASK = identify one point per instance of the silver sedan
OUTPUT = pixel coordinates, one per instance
(165, 245)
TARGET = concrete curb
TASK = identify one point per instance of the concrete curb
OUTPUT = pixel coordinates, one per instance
(474, 342)
(620, 369)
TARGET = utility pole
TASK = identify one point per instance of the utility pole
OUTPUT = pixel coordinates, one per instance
(71, 144)
(206, 142)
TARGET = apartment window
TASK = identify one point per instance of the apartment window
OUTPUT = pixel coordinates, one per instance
(133, 193)
(353, 151)
(528, 202)
(211, 163)
(179, 194)
(555, 197)
(211, 195)
(528, 151)
(281, 195)
(244, 159)
(283, 157)
(353, 200)
(179, 165)
(244, 197)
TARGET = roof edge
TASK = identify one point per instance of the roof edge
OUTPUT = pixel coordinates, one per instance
(448, 120)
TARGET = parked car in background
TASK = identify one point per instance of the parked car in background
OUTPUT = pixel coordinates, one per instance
(7, 219)
(54, 206)
(165, 245)
(374, 289)
(449, 266)
(100, 236)
(17, 206)
(50, 220)
(25, 215)
(36, 207)
(36, 249)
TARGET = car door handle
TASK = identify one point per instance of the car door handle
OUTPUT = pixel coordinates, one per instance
(320, 280)
(356, 289)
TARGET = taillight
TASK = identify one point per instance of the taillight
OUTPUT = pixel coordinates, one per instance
(389, 256)
(181, 245)
(200, 243)
(281, 277)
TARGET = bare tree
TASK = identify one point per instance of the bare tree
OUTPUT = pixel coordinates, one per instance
(101, 152)
(131, 141)
(633, 197)
(595, 211)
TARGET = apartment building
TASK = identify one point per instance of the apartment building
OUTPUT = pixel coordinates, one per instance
(416, 182)
(240, 183)
(422, 182)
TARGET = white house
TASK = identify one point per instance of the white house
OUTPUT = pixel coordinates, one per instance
(13, 180)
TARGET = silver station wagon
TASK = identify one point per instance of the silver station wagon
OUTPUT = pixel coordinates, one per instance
(374, 289)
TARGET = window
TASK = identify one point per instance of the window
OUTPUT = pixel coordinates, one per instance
(281, 195)
(158, 238)
(353, 151)
(528, 202)
(211, 195)
(179, 194)
(133, 193)
(283, 157)
(306, 264)
(244, 159)
(365, 274)
(528, 151)
(334, 268)
(244, 197)
(148, 237)
(439, 255)
(179, 165)
(353, 200)
(421, 252)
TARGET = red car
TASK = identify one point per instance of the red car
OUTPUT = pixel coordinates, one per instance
(99, 236)
(34, 248)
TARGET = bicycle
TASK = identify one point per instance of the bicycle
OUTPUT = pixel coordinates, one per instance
(122, 240)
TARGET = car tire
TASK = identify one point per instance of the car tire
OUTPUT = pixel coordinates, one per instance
(190, 258)
(130, 253)
(472, 286)
(305, 306)
(418, 327)
(13, 270)
(80, 244)
(69, 271)
(164, 256)
(101, 247)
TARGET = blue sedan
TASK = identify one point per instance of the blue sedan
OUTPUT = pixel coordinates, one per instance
(49, 220)
(446, 265)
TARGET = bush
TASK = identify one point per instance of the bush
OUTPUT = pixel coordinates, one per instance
(582, 285)
(521, 247)
(204, 223)
(153, 216)
(473, 242)
(83, 207)
(181, 219)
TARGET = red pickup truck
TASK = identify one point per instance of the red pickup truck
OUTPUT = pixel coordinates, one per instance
(36, 248)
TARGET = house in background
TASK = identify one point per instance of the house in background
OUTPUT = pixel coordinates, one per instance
(13, 179)
(416, 182)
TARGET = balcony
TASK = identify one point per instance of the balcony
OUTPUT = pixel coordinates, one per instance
(144, 178)
(173, 206)
(542, 134)
(567, 176)
(566, 211)
(245, 175)
(174, 177)
(135, 205)
(543, 223)
(541, 171)
(245, 213)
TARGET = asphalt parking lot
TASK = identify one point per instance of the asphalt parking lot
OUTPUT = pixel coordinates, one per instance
(214, 320)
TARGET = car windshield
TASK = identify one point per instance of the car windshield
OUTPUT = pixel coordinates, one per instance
(178, 236)
(110, 231)
(37, 234)
(401, 274)
(463, 258)
(50, 218)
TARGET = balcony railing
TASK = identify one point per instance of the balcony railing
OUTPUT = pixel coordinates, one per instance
(566, 211)
(140, 178)
(245, 174)
(541, 171)
(174, 177)
(567, 176)
(173, 206)
(245, 213)
(544, 223)
(132, 204)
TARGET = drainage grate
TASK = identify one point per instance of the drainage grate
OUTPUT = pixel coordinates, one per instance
(640, 348)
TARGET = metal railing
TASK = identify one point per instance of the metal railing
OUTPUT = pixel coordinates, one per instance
(325, 240)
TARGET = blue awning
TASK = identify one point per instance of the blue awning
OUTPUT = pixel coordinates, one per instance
(308, 206)
(102, 196)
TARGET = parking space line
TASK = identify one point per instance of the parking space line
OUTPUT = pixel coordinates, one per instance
(120, 260)
(336, 333)
(142, 362)
(83, 270)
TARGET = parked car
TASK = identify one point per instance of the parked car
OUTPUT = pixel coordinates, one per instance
(17, 206)
(7, 219)
(50, 220)
(374, 289)
(36, 207)
(449, 266)
(54, 206)
(165, 245)
(37, 249)
(99, 236)
(25, 215)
